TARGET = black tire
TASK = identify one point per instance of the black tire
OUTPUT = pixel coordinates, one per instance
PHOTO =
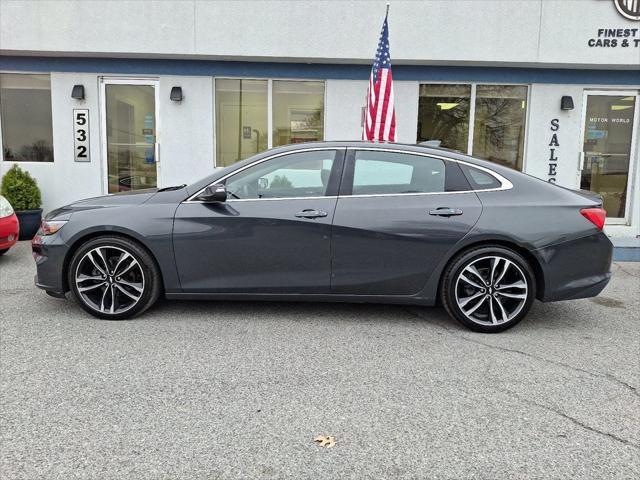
(146, 269)
(3, 251)
(500, 306)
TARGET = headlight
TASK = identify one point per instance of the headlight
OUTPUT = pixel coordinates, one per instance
(51, 226)
(5, 207)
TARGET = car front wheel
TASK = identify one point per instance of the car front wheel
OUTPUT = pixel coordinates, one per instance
(488, 289)
(114, 278)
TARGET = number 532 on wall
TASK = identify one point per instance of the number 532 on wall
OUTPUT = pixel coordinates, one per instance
(81, 135)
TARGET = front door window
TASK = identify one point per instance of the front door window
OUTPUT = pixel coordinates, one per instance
(608, 140)
(297, 175)
(131, 135)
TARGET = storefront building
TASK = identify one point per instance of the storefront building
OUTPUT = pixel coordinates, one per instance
(98, 97)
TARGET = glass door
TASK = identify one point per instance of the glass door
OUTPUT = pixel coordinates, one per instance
(130, 134)
(607, 166)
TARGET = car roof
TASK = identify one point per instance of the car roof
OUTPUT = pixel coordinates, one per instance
(366, 144)
(408, 147)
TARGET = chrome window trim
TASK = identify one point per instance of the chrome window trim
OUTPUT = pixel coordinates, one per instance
(233, 200)
(505, 184)
(413, 194)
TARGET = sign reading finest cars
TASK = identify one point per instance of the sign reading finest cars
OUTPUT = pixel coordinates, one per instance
(616, 37)
(81, 135)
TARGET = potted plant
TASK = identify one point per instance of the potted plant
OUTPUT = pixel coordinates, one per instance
(22, 192)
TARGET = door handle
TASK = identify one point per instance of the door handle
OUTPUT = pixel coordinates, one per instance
(311, 213)
(445, 212)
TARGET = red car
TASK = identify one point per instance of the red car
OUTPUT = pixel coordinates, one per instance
(9, 228)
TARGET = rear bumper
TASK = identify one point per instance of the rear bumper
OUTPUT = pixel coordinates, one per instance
(9, 231)
(574, 269)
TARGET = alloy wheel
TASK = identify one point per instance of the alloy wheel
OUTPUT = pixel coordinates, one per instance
(109, 280)
(491, 290)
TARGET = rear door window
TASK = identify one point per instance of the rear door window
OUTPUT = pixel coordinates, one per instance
(379, 172)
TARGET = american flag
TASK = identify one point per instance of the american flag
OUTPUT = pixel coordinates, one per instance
(380, 116)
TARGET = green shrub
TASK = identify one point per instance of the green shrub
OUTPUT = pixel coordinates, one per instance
(20, 189)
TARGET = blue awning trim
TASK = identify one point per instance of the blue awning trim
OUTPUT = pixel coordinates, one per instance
(139, 66)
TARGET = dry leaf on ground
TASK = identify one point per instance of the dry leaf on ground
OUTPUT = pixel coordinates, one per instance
(323, 441)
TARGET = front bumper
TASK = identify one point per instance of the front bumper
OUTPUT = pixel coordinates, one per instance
(579, 268)
(47, 288)
(49, 253)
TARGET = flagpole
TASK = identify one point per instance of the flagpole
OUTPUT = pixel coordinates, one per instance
(387, 14)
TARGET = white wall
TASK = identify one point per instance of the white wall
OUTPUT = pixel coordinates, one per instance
(544, 106)
(344, 102)
(567, 26)
(406, 100)
(508, 32)
(186, 130)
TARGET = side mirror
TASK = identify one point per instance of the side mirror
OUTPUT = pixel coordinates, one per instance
(213, 193)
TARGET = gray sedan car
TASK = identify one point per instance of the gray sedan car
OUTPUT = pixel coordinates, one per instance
(334, 221)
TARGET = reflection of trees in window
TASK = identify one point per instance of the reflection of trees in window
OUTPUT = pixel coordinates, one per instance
(493, 114)
(281, 181)
(499, 130)
(450, 126)
(38, 151)
(443, 114)
(25, 108)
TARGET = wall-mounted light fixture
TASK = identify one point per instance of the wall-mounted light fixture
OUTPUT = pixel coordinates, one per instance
(566, 103)
(78, 92)
(176, 94)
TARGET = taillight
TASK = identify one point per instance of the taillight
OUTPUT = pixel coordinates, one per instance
(595, 216)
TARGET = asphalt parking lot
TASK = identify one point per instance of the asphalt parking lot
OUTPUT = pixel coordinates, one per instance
(240, 389)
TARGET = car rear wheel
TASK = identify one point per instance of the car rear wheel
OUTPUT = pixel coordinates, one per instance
(114, 278)
(488, 289)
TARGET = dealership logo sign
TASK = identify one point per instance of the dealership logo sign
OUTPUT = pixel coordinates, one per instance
(628, 8)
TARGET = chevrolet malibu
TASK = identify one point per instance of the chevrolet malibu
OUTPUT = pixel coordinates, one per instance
(334, 221)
